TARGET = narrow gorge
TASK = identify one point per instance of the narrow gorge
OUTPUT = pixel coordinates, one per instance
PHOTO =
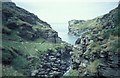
(79, 48)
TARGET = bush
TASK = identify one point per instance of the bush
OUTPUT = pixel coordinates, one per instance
(7, 57)
(20, 62)
(114, 32)
(10, 71)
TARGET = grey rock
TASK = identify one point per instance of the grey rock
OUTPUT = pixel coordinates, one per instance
(34, 72)
(78, 41)
(72, 22)
(109, 72)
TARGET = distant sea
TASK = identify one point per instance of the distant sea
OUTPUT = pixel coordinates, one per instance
(62, 29)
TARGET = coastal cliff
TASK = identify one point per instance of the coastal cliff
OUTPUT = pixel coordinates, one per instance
(30, 47)
(97, 50)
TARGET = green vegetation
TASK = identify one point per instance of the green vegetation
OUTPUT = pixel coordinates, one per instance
(93, 66)
(95, 47)
(40, 26)
(73, 73)
(10, 71)
(104, 47)
(88, 24)
(30, 47)
(23, 42)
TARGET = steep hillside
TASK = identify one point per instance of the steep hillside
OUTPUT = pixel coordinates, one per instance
(30, 47)
(97, 51)
(106, 21)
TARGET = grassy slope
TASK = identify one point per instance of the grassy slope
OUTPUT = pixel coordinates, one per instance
(32, 49)
(16, 50)
(88, 24)
(111, 36)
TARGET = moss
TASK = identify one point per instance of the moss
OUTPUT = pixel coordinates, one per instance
(114, 45)
(40, 26)
(73, 73)
(104, 31)
(10, 71)
(93, 66)
(95, 47)
(17, 49)
(20, 62)
(89, 24)
(6, 30)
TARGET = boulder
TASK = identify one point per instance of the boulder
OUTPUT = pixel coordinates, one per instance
(6, 31)
(100, 39)
(34, 72)
(51, 35)
(108, 72)
(78, 41)
(12, 25)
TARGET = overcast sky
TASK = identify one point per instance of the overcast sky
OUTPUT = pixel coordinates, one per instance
(61, 11)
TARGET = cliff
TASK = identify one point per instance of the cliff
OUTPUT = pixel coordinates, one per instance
(30, 47)
(97, 50)
(27, 25)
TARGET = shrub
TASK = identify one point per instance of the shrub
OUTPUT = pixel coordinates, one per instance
(20, 62)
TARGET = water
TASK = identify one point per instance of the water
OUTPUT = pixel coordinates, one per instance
(62, 30)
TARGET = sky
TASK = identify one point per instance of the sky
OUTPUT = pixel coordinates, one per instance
(62, 11)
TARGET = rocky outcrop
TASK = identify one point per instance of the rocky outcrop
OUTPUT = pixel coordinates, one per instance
(50, 35)
(106, 66)
(72, 22)
(53, 64)
(107, 21)
(71, 29)
(30, 46)
(27, 25)
(96, 54)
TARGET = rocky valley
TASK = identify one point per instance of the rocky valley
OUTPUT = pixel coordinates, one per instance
(30, 47)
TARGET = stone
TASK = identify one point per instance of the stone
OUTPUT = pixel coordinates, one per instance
(58, 55)
(51, 36)
(48, 69)
(71, 53)
(34, 72)
(42, 73)
(78, 41)
(75, 65)
(12, 25)
(100, 39)
(109, 72)
(55, 69)
(113, 59)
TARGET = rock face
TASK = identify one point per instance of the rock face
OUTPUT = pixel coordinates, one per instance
(106, 21)
(28, 25)
(53, 63)
(95, 52)
(51, 35)
(106, 66)
(71, 26)
(30, 47)
(72, 22)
